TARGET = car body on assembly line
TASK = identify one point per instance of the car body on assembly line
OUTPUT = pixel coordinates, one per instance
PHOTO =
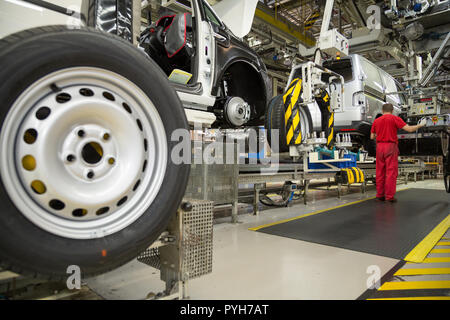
(225, 76)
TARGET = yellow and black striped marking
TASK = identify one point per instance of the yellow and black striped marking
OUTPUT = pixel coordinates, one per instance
(323, 100)
(291, 100)
(427, 280)
(351, 175)
(312, 20)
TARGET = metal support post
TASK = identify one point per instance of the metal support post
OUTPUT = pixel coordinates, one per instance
(257, 188)
(305, 191)
(235, 204)
(339, 190)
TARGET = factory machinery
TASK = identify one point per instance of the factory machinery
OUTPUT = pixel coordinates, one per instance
(328, 152)
(184, 250)
(305, 156)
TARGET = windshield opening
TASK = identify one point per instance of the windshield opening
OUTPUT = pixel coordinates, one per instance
(342, 67)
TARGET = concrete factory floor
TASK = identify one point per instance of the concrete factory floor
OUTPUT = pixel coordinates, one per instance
(254, 265)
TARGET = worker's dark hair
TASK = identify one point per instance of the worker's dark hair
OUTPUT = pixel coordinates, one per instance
(388, 107)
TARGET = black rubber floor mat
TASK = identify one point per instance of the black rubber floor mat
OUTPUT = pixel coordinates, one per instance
(380, 228)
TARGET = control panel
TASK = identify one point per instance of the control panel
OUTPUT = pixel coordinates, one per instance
(422, 106)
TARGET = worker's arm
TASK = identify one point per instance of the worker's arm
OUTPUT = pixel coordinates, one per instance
(373, 132)
(409, 128)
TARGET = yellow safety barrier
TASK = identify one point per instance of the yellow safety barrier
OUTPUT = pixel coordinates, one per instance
(292, 112)
(351, 175)
(292, 102)
(323, 101)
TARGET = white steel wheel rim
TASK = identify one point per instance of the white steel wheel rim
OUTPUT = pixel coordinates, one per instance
(304, 123)
(128, 168)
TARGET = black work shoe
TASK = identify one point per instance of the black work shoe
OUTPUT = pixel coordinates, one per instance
(380, 199)
(393, 200)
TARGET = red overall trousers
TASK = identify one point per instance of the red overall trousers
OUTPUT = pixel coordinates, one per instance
(387, 169)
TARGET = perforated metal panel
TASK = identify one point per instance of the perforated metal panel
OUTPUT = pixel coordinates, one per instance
(191, 255)
(150, 257)
(197, 239)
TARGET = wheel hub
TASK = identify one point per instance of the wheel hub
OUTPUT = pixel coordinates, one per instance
(76, 155)
(237, 111)
(89, 152)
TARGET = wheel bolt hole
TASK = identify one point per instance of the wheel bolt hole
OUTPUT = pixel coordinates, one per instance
(106, 136)
(81, 133)
(71, 158)
(111, 161)
(90, 174)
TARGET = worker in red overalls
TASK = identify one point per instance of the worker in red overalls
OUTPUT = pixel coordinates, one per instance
(384, 129)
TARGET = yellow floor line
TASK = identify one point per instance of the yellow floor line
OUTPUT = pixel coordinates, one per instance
(414, 298)
(440, 251)
(419, 253)
(307, 215)
(410, 285)
(433, 260)
(443, 243)
(422, 271)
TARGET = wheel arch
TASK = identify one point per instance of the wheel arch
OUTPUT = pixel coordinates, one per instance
(247, 83)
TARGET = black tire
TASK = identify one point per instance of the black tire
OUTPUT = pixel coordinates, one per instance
(274, 120)
(28, 56)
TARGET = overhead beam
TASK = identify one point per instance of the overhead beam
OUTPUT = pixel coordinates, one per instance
(285, 27)
(290, 5)
(355, 13)
(384, 63)
(397, 72)
(376, 40)
(427, 75)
